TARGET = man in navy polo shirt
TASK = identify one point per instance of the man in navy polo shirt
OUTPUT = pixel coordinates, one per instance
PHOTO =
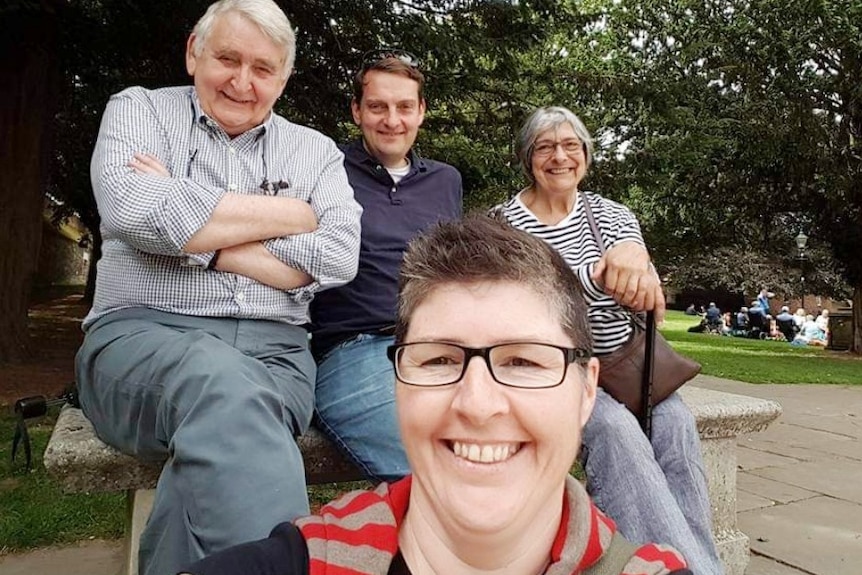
(401, 195)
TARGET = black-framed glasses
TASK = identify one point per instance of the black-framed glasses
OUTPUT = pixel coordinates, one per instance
(373, 56)
(519, 364)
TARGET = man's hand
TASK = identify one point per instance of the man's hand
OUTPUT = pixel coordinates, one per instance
(254, 261)
(627, 275)
(148, 164)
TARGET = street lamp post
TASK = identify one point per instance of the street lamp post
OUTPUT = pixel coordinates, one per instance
(801, 241)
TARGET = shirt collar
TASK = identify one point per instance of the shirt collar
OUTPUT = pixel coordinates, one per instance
(358, 148)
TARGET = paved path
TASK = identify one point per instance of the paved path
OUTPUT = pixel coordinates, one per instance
(799, 490)
(799, 484)
(85, 558)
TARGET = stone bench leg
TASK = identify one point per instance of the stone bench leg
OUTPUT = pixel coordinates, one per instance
(139, 503)
(721, 419)
(719, 460)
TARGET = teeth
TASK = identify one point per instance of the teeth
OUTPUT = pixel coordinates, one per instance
(484, 453)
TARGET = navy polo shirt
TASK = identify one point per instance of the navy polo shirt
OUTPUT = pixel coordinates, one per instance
(392, 215)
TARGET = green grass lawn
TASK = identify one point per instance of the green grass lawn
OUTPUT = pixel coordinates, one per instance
(35, 513)
(760, 361)
(33, 510)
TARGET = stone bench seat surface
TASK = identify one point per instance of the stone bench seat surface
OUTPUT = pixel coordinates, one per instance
(82, 462)
(721, 414)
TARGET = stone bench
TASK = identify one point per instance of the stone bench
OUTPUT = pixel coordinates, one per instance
(82, 463)
(721, 418)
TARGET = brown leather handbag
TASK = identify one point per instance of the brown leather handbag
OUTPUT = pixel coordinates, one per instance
(622, 371)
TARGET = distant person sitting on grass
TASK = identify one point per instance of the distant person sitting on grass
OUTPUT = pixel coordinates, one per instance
(799, 318)
(727, 323)
(713, 317)
(740, 325)
(811, 334)
(786, 323)
(758, 321)
(822, 322)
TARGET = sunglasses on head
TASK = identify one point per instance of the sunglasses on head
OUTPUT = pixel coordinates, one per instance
(373, 56)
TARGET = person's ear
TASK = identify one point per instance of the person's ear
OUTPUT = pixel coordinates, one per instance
(191, 59)
(421, 111)
(591, 382)
(355, 110)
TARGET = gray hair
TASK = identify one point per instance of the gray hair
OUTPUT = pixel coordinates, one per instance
(541, 120)
(481, 248)
(265, 14)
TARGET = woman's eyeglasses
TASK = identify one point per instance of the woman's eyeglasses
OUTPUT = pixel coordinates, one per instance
(373, 56)
(527, 365)
(570, 147)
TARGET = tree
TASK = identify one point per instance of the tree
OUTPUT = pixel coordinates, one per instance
(27, 101)
(739, 127)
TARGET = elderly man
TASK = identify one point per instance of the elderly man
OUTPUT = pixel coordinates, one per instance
(401, 194)
(220, 221)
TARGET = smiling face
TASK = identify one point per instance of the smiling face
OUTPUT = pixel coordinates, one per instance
(389, 116)
(486, 458)
(238, 74)
(561, 171)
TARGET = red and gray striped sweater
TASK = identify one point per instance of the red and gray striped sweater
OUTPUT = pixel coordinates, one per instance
(358, 535)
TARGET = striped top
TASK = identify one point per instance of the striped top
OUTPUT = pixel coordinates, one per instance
(573, 239)
(358, 534)
(146, 220)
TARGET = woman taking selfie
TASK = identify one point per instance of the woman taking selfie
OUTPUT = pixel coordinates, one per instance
(494, 381)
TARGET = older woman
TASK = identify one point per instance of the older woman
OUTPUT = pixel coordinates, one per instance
(495, 380)
(654, 490)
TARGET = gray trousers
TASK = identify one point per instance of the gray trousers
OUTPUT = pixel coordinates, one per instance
(222, 399)
(655, 491)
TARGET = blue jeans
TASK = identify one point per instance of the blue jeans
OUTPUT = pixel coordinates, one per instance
(221, 399)
(355, 406)
(654, 492)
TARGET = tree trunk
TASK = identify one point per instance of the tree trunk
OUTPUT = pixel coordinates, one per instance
(856, 340)
(28, 82)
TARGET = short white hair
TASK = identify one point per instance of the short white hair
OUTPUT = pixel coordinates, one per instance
(265, 14)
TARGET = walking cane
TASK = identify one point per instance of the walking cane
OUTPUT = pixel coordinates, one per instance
(647, 376)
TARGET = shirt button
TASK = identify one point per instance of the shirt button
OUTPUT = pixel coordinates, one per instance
(240, 296)
(232, 151)
(394, 189)
(232, 187)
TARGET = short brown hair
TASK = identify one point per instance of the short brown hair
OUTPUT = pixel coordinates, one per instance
(390, 65)
(481, 248)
